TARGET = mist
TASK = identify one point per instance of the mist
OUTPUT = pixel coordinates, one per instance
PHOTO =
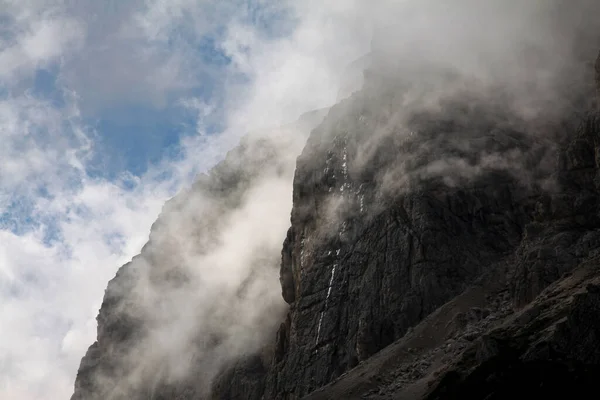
(440, 75)
(205, 291)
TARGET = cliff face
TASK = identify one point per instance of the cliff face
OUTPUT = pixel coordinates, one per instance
(431, 249)
(526, 326)
(364, 262)
(388, 225)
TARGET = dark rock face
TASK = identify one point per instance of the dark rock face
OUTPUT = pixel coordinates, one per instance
(598, 81)
(565, 230)
(548, 349)
(479, 345)
(383, 235)
(369, 255)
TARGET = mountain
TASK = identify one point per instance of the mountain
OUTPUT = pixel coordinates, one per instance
(443, 244)
(437, 241)
(502, 279)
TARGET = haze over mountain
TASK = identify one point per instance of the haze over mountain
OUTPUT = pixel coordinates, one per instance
(386, 200)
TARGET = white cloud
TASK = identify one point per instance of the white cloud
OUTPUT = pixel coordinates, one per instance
(51, 293)
(34, 34)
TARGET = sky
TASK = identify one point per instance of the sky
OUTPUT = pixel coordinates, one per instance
(107, 109)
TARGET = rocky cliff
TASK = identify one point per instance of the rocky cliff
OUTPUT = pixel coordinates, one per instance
(525, 322)
(435, 251)
(382, 237)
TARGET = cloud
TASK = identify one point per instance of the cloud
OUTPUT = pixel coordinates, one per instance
(33, 36)
(229, 301)
(437, 79)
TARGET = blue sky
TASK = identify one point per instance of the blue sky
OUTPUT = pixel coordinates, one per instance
(107, 109)
(131, 136)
